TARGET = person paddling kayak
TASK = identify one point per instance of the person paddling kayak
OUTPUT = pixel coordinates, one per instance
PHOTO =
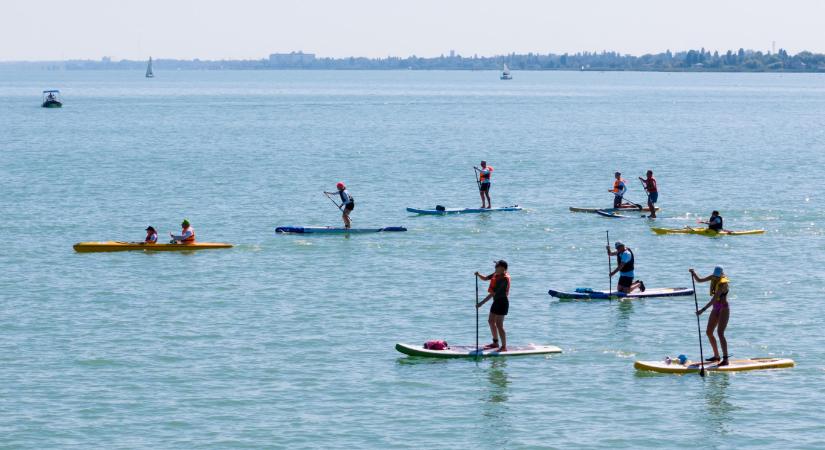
(187, 234)
(485, 174)
(715, 223)
(151, 235)
(652, 190)
(720, 314)
(619, 189)
(625, 266)
(347, 203)
(499, 291)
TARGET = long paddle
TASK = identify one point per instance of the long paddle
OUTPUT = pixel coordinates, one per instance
(698, 328)
(475, 175)
(609, 268)
(476, 277)
(333, 201)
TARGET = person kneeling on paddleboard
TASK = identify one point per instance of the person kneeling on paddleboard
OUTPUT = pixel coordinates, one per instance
(499, 291)
(619, 189)
(151, 235)
(625, 266)
(187, 234)
(720, 314)
(485, 174)
(347, 203)
(652, 190)
(715, 222)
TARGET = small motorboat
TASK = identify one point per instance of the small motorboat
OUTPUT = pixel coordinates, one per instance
(51, 99)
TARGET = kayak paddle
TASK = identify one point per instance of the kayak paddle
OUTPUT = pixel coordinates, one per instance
(698, 328)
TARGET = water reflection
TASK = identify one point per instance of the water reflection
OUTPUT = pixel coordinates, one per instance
(719, 409)
(497, 377)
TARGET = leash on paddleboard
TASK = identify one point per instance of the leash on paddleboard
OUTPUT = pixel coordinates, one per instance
(698, 328)
(476, 277)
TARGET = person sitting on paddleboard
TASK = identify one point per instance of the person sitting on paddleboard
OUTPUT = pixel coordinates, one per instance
(485, 174)
(619, 189)
(151, 235)
(652, 190)
(715, 222)
(187, 234)
(499, 291)
(720, 314)
(347, 203)
(625, 265)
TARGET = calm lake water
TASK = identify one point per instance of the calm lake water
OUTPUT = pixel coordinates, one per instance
(288, 341)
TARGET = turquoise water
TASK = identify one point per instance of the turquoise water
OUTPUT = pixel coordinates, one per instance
(287, 341)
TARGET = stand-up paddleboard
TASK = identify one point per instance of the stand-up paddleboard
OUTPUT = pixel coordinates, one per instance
(445, 211)
(113, 246)
(611, 210)
(735, 365)
(334, 230)
(469, 351)
(592, 294)
(616, 215)
(704, 231)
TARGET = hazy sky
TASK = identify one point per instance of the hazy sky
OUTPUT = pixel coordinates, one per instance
(251, 29)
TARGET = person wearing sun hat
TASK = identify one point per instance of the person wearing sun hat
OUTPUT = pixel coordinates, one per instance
(187, 234)
(720, 314)
(151, 235)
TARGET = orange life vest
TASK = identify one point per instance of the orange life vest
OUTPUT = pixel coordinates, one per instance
(617, 183)
(485, 174)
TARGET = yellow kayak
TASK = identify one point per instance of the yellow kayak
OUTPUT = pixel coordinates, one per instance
(734, 365)
(112, 246)
(704, 231)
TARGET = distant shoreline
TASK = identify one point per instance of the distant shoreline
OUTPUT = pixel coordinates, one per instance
(700, 61)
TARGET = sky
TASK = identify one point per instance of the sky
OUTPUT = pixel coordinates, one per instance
(252, 29)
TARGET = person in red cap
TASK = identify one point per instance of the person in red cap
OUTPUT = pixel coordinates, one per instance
(347, 203)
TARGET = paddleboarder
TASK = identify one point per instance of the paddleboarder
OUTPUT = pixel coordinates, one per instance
(720, 314)
(485, 174)
(619, 189)
(625, 265)
(715, 223)
(151, 235)
(652, 190)
(499, 291)
(347, 203)
(187, 234)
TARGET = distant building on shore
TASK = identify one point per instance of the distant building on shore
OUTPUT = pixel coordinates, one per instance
(294, 59)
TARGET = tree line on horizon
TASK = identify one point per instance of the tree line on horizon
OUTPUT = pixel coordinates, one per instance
(691, 60)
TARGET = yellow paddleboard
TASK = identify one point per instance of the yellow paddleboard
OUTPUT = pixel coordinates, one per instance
(734, 365)
(112, 246)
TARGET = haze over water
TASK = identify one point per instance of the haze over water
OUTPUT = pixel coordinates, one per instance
(287, 341)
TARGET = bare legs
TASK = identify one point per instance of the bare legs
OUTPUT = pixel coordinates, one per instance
(719, 320)
(496, 323)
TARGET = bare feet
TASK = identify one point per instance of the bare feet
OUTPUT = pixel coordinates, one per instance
(489, 346)
(502, 349)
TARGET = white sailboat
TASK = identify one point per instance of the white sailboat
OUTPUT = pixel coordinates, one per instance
(149, 73)
(505, 74)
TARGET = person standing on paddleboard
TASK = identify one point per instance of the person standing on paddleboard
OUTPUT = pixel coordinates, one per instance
(720, 314)
(187, 234)
(499, 291)
(485, 175)
(715, 223)
(151, 235)
(625, 266)
(619, 189)
(652, 190)
(347, 203)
